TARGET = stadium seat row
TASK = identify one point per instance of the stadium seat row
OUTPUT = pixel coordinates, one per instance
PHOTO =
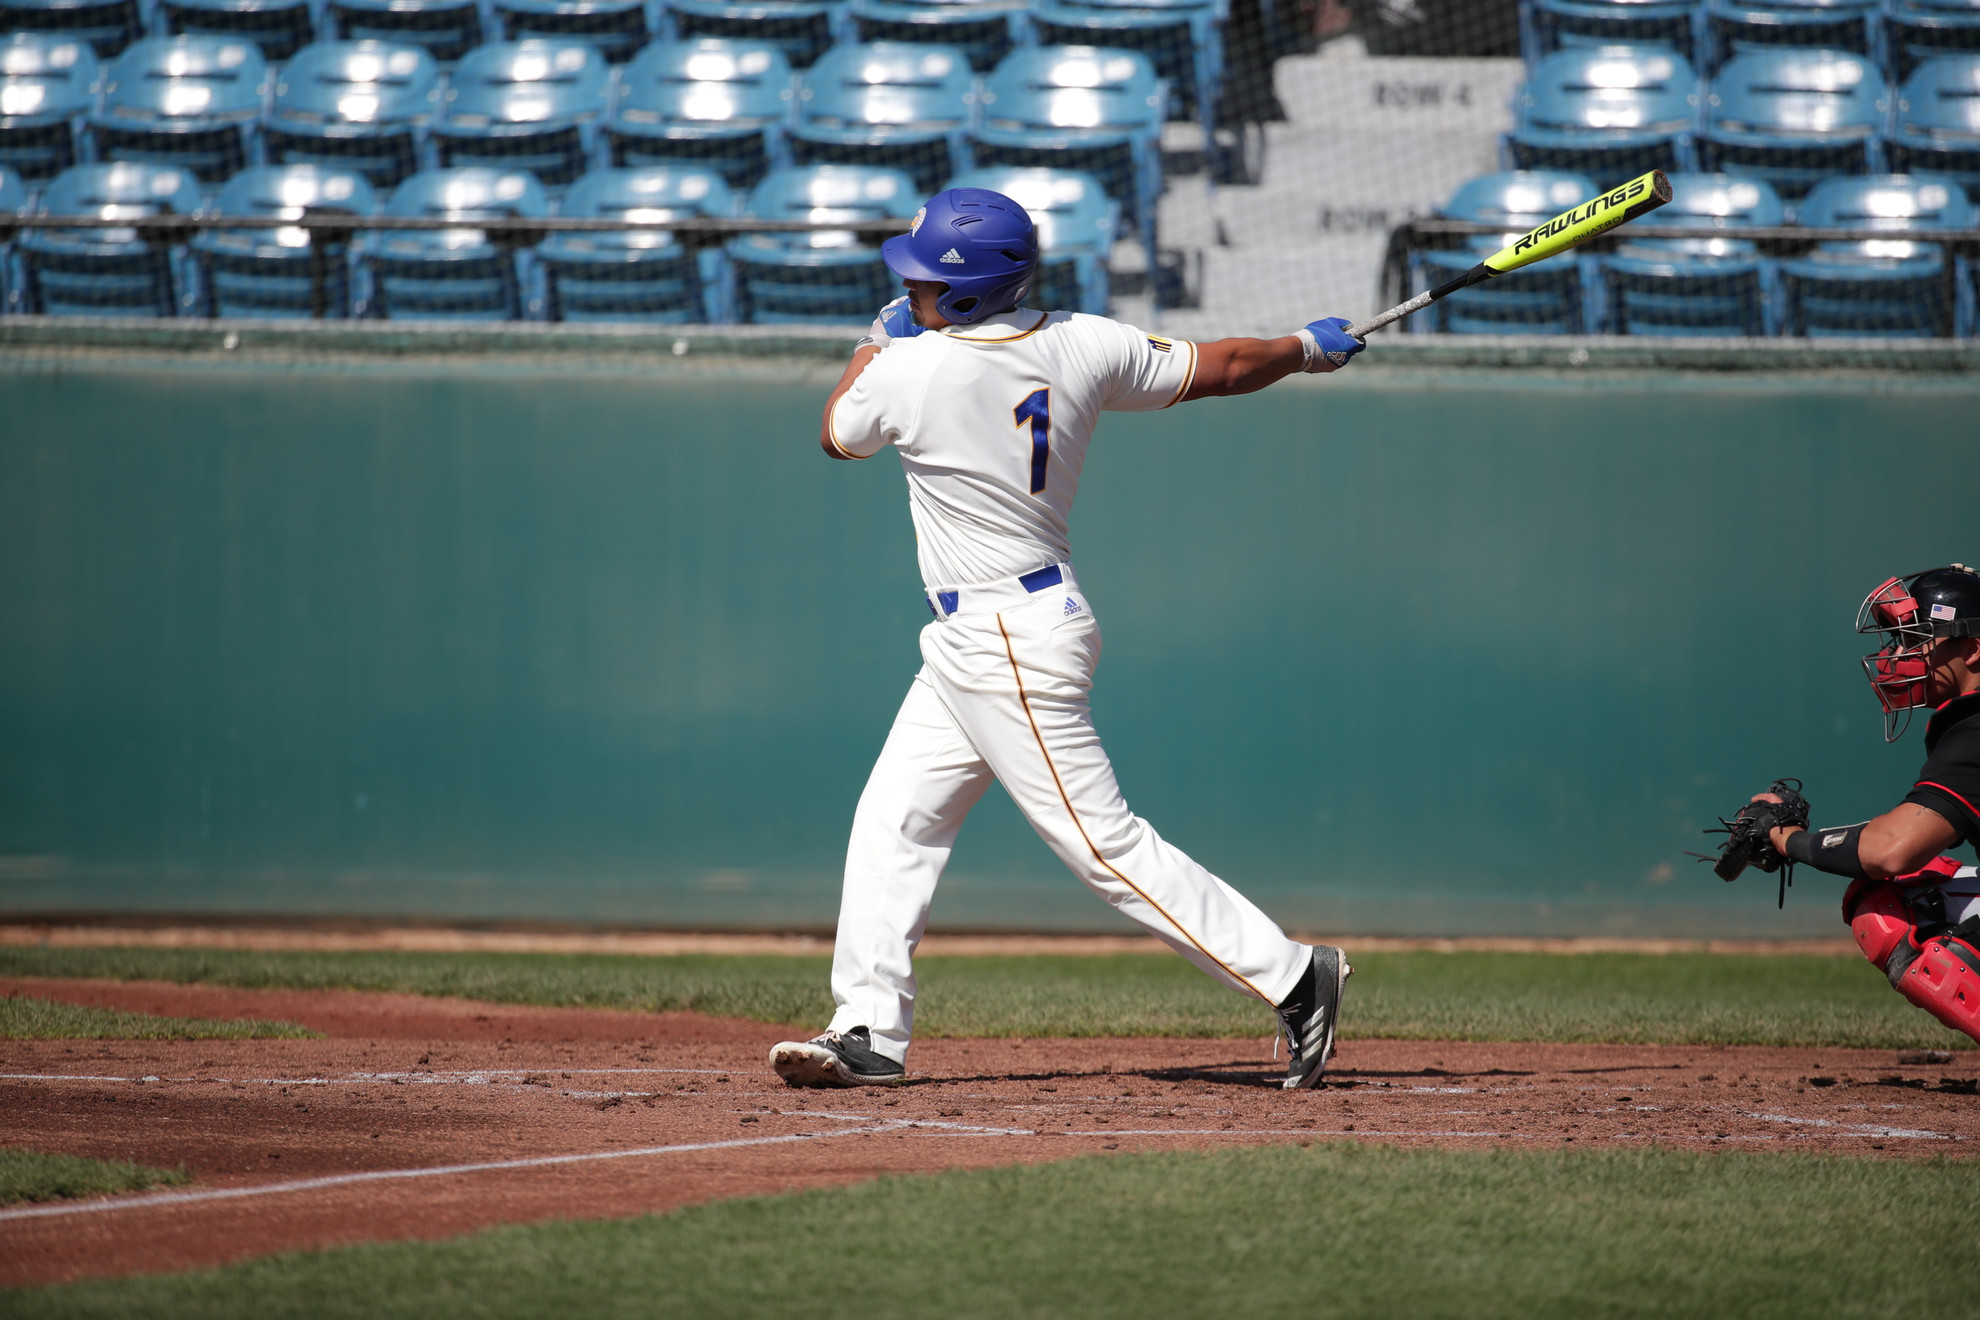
(805, 28)
(1788, 116)
(557, 110)
(464, 272)
(1183, 39)
(1896, 35)
(1719, 283)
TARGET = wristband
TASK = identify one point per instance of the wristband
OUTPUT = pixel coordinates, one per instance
(1311, 348)
(1833, 849)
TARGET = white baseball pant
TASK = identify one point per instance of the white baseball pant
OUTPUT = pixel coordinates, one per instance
(1002, 693)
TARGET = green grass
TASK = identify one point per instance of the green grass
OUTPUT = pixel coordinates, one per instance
(25, 1018)
(1704, 999)
(30, 1175)
(1337, 1230)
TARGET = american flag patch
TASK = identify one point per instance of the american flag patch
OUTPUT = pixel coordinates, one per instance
(1159, 344)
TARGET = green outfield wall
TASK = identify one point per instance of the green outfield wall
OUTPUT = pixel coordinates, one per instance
(1421, 650)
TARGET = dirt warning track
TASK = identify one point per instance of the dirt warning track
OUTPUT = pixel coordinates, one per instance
(424, 1118)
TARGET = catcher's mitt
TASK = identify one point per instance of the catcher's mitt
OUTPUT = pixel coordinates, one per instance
(1746, 834)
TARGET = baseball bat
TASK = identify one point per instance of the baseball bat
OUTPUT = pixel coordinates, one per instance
(1572, 228)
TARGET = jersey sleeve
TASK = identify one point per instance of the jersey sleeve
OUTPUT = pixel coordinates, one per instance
(1950, 782)
(1143, 372)
(858, 425)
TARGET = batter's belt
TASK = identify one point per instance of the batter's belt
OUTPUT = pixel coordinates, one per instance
(1002, 594)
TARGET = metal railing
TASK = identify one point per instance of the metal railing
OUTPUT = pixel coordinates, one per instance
(522, 230)
(329, 229)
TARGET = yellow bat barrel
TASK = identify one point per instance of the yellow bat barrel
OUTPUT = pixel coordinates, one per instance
(1645, 193)
(1625, 202)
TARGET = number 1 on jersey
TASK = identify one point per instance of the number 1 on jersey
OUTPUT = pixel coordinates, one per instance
(1037, 409)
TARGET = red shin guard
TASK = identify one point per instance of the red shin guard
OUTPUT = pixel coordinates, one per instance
(1878, 917)
(1944, 980)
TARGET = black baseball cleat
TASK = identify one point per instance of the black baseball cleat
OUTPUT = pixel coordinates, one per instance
(837, 1058)
(1308, 1016)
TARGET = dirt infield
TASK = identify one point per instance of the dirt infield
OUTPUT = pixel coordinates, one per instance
(423, 1118)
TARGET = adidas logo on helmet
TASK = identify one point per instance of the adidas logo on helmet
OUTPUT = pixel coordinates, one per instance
(951, 258)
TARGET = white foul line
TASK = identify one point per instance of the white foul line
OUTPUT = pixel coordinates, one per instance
(437, 1171)
(534, 1162)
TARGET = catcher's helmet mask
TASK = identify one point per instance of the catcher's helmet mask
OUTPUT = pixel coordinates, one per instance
(1914, 613)
(979, 243)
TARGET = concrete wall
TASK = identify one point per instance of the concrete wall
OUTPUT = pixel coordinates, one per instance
(1421, 651)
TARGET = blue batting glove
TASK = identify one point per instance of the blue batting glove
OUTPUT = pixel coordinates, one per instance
(1328, 344)
(896, 321)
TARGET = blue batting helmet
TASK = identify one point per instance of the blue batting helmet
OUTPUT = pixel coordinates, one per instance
(979, 243)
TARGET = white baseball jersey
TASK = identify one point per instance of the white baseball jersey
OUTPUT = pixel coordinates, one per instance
(992, 422)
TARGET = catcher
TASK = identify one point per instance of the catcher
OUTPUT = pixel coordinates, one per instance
(1915, 911)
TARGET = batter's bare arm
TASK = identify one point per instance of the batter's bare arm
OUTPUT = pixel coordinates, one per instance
(1242, 366)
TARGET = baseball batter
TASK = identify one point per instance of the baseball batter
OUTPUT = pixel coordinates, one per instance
(990, 407)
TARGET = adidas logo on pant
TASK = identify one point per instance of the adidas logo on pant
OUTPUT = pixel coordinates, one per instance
(951, 258)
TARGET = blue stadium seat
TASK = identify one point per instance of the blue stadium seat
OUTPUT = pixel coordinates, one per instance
(457, 274)
(447, 29)
(619, 28)
(820, 276)
(279, 27)
(1792, 117)
(709, 101)
(1550, 25)
(191, 101)
(889, 103)
(1917, 30)
(531, 105)
(1183, 40)
(1611, 112)
(802, 29)
(362, 105)
(107, 25)
(274, 272)
(1079, 108)
(640, 275)
(1552, 298)
(1734, 26)
(1715, 284)
(47, 84)
(1881, 287)
(984, 30)
(1936, 128)
(111, 272)
(1077, 224)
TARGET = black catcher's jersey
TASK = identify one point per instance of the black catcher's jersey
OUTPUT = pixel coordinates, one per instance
(1950, 782)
